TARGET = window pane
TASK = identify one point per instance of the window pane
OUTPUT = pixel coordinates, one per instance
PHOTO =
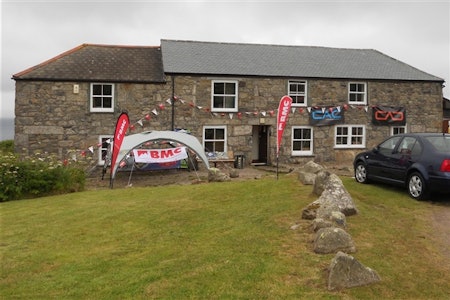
(209, 146)
(292, 88)
(96, 89)
(209, 134)
(356, 140)
(356, 130)
(107, 90)
(230, 88)
(306, 145)
(107, 102)
(229, 102)
(342, 130)
(298, 99)
(218, 102)
(97, 102)
(306, 133)
(220, 134)
(219, 88)
(219, 147)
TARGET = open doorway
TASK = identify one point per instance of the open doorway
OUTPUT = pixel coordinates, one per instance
(260, 148)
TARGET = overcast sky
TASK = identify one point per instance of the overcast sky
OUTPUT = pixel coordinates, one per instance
(414, 32)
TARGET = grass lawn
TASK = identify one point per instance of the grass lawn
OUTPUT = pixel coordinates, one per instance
(211, 241)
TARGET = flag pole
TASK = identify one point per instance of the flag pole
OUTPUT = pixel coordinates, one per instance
(282, 116)
(277, 166)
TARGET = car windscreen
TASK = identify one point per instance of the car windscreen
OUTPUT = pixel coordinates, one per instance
(440, 143)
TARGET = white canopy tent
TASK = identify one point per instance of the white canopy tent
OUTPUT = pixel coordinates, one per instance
(133, 141)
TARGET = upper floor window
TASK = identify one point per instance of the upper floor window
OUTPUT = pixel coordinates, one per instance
(297, 91)
(102, 97)
(224, 95)
(350, 136)
(302, 140)
(215, 140)
(357, 93)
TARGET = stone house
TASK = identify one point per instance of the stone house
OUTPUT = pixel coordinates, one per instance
(446, 122)
(227, 95)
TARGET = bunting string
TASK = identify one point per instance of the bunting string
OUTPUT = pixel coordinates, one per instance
(156, 112)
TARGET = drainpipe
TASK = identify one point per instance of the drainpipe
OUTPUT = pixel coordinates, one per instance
(173, 102)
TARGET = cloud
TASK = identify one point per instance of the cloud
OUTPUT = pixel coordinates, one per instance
(417, 33)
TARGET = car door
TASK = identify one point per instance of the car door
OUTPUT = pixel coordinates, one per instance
(379, 161)
(402, 158)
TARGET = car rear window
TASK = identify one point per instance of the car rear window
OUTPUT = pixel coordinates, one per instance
(441, 143)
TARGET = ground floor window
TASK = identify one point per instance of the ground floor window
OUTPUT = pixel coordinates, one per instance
(397, 130)
(302, 141)
(104, 142)
(215, 140)
(350, 136)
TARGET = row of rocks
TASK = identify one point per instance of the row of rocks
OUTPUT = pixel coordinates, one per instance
(328, 214)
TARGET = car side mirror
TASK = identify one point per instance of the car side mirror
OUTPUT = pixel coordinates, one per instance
(375, 149)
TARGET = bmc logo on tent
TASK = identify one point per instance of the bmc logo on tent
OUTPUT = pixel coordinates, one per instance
(159, 155)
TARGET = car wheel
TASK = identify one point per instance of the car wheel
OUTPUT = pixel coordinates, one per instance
(361, 173)
(417, 188)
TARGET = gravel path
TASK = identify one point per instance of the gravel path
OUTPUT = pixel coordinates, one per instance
(441, 224)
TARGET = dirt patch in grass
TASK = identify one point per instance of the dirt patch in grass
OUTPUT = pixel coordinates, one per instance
(175, 176)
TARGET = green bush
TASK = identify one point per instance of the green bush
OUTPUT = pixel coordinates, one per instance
(37, 176)
(7, 146)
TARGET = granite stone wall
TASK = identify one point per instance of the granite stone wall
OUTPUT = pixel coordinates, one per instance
(51, 117)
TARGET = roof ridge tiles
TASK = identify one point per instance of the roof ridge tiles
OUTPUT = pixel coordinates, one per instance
(264, 44)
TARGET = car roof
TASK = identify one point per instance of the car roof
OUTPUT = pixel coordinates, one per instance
(425, 134)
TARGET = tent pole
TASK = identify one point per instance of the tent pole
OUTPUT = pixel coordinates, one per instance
(131, 172)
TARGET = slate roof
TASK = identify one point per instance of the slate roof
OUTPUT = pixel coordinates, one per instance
(209, 58)
(100, 63)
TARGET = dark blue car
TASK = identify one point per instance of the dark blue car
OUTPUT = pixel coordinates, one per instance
(418, 161)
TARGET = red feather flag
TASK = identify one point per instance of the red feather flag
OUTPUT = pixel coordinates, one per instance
(121, 129)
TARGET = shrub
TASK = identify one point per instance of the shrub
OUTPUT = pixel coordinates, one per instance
(38, 176)
(7, 146)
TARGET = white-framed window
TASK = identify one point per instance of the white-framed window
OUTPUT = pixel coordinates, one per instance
(102, 97)
(350, 136)
(297, 90)
(215, 141)
(397, 130)
(224, 95)
(104, 142)
(302, 140)
(357, 93)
